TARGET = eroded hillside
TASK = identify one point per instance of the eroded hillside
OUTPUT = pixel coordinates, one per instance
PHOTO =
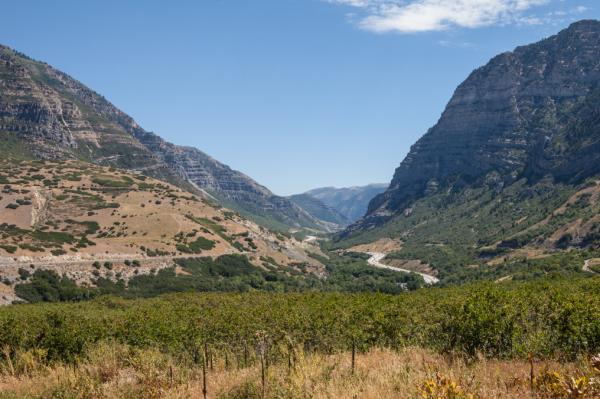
(87, 221)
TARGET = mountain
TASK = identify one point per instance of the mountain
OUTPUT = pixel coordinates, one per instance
(510, 170)
(351, 202)
(320, 211)
(46, 114)
(89, 223)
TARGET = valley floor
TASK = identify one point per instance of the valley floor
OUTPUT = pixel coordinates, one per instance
(113, 371)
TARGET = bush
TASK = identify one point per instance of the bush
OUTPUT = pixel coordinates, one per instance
(24, 273)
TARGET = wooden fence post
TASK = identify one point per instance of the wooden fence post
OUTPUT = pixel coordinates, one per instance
(204, 366)
(353, 355)
(531, 375)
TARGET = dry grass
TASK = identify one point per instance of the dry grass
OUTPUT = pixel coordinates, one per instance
(114, 371)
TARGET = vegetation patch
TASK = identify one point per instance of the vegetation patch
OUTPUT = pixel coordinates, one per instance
(104, 181)
(544, 318)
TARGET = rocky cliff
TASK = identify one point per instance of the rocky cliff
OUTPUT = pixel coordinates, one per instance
(529, 113)
(46, 114)
(509, 177)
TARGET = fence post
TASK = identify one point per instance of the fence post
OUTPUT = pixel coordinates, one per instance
(289, 360)
(353, 355)
(531, 375)
(204, 366)
(263, 372)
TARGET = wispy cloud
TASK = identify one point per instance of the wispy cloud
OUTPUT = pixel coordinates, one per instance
(411, 16)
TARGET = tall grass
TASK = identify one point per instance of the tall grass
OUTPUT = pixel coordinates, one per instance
(111, 370)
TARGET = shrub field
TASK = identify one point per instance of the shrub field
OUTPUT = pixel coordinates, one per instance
(548, 319)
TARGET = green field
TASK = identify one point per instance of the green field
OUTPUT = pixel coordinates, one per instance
(548, 318)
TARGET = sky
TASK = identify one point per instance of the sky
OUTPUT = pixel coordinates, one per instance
(297, 94)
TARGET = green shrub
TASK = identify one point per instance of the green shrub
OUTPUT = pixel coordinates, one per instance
(547, 318)
(11, 249)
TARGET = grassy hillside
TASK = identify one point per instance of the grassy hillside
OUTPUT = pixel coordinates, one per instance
(520, 232)
(320, 210)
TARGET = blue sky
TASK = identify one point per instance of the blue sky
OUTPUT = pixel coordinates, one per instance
(295, 93)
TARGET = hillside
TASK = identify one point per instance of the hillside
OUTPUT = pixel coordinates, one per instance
(320, 210)
(86, 222)
(505, 185)
(46, 114)
(352, 202)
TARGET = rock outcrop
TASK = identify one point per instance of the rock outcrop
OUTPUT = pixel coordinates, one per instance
(532, 113)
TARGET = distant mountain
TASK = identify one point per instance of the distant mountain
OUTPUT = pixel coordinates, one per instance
(509, 172)
(351, 202)
(46, 114)
(321, 211)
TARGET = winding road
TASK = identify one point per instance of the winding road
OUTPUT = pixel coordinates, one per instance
(375, 260)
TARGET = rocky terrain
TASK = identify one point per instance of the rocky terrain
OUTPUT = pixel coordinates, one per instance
(46, 114)
(321, 211)
(87, 222)
(510, 169)
(530, 113)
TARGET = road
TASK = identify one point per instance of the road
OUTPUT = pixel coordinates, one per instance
(375, 260)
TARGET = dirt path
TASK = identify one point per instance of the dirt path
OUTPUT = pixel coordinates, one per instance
(375, 260)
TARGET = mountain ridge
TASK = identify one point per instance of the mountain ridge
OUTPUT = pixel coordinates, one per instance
(349, 201)
(320, 210)
(417, 171)
(508, 174)
(52, 115)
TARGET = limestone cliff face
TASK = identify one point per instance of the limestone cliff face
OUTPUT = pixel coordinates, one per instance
(51, 115)
(532, 113)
